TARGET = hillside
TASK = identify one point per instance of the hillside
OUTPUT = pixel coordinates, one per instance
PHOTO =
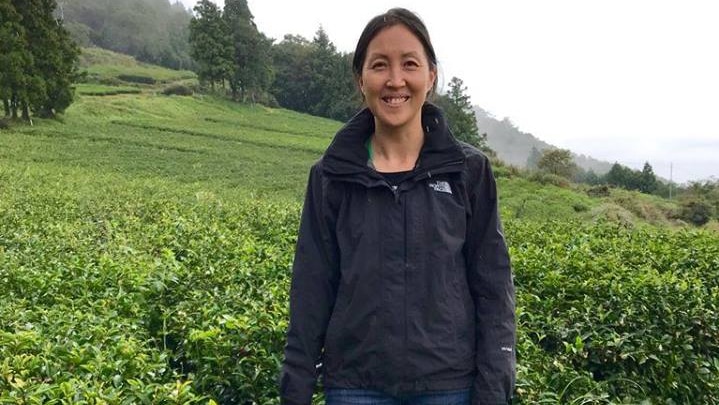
(146, 243)
(514, 146)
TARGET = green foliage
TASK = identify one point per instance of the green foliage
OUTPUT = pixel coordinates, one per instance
(177, 90)
(15, 57)
(106, 67)
(159, 272)
(696, 211)
(707, 191)
(599, 191)
(211, 45)
(621, 314)
(252, 72)
(557, 162)
(622, 176)
(102, 90)
(647, 180)
(549, 178)
(460, 115)
(39, 60)
(312, 77)
(137, 79)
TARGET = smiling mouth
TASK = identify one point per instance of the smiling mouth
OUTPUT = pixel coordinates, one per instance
(395, 100)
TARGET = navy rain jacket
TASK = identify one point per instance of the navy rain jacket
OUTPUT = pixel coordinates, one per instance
(401, 289)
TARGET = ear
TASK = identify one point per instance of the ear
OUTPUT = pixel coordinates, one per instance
(432, 78)
(360, 85)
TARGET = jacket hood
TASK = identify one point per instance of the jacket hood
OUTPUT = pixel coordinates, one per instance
(347, 154)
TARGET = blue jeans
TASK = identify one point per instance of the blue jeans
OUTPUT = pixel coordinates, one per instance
(343, 396)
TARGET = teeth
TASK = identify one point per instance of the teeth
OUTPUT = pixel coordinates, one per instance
(395, 100)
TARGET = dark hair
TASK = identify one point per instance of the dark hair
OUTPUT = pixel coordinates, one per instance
(391, 18)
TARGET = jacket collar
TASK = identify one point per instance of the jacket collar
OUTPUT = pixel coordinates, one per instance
(347, 154)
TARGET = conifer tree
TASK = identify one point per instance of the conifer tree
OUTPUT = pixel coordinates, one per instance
(14, 59)
(211, 44)
(647, 179)
(252, 74)
(460, 115)
(41, 57)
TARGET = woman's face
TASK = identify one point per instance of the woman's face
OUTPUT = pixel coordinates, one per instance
(396, 77)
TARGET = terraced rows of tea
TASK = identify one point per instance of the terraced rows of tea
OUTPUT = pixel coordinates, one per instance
(145, 253)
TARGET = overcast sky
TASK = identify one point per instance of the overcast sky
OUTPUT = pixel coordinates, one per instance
(628, 81)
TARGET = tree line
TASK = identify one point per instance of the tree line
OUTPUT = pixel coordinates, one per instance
(560, 162)
(38, 59)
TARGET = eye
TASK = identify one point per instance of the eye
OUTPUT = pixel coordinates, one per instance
(378, 65)
(411, 64)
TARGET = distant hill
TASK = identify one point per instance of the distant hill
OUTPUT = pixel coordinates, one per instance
(514, 146)
(154, 31)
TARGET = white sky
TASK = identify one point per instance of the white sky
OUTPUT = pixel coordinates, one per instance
(628, 81)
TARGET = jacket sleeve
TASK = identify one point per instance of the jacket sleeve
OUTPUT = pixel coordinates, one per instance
(490, 281)
(312, 296)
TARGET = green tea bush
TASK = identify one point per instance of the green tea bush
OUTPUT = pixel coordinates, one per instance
(155, 275)
(616, 313)
(137, 79)
(177, 90)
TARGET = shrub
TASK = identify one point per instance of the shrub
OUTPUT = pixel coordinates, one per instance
(613, 213)
(177, 90)
(697, 211)
(548, 178)
(137, 79)
(4, 123)
(579, 207)
(601, 190)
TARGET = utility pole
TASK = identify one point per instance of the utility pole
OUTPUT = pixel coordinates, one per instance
(671, 180)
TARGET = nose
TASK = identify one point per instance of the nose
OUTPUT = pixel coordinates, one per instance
(396, 77)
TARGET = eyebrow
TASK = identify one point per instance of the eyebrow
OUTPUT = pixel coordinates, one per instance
(382, 55)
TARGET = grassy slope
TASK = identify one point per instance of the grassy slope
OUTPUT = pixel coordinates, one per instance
(200, 141)
(221, 147)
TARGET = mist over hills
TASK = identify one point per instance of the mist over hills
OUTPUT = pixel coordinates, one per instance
(514, 146)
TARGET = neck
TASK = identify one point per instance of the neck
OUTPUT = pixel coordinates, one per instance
(397, 149)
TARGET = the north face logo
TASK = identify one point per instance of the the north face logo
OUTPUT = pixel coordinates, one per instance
(441, 186)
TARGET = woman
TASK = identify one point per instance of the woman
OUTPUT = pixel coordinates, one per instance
(401, 287)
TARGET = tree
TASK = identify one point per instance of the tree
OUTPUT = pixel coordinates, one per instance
(15, 59)
(460, 115)
(41, 59)
(332, 89)
(312, 77)
(647, 179)
(533, 158)
(558, 162)
(252, 73)
(211, 44)
(291, 59)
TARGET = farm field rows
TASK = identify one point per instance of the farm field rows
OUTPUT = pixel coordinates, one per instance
(146, 244)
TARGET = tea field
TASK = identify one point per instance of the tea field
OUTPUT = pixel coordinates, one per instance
(145, 251)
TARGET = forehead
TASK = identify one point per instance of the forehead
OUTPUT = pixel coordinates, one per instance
(395, 40)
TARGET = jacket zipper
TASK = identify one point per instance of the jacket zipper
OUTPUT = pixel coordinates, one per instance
(406, 271)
